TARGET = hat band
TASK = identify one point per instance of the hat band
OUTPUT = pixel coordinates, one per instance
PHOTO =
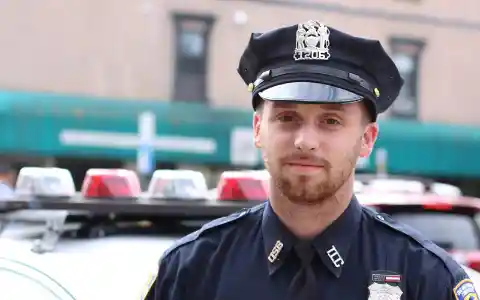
(312, 69)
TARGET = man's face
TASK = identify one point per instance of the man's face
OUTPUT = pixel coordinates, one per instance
(310, 150)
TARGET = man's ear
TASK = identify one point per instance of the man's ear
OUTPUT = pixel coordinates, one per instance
(369, 137)
(257, 120)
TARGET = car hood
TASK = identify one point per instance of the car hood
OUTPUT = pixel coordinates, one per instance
(104, 268)
(474, 276)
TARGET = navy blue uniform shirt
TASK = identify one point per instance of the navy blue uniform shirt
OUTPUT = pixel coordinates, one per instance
(362, 255)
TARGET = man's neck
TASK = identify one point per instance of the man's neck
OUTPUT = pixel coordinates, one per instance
(307, 221)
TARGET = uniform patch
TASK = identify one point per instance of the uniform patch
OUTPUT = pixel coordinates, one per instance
(465, 290)
(212, 225)
(385, 285)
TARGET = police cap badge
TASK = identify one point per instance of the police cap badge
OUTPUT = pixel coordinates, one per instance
(313, 63)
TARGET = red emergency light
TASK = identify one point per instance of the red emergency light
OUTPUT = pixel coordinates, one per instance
(111, 184)
(242, 186)
(470, 259)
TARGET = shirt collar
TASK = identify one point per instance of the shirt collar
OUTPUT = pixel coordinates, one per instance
(332, 245)
(277, 239)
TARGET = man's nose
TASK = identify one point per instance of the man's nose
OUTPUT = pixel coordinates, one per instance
(307, 139)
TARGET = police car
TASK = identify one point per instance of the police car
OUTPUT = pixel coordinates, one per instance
(449, 221)
(404, 184)
(101, 243)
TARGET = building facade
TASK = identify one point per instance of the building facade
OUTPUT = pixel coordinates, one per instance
(189, 49)
(74, 77)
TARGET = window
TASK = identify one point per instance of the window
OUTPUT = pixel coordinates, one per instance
(449, 231)
(192, 33)
(192, 44)
(406, 55)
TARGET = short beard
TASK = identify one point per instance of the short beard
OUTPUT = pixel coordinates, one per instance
(304, 193)
(308, 194)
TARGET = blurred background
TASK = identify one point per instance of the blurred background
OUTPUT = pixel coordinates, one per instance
(152, 84)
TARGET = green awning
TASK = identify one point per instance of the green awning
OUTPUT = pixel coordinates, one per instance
(429, 148)
(188, 132)
(37, 123)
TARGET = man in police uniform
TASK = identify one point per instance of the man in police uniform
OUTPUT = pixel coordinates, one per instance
(316, 92)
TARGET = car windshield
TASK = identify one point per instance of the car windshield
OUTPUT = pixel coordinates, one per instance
(450, 231)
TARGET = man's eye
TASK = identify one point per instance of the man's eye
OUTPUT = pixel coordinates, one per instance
(332, 121)
(285, 118)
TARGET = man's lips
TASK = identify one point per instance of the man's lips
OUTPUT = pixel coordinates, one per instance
(305, 164)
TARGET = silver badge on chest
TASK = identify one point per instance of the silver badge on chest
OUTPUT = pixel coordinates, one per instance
(385, 286)
(384, 292)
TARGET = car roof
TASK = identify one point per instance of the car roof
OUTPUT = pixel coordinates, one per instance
(365, 178)
(404, 199)
(408, 184)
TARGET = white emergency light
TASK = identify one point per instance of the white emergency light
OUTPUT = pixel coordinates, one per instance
(44, 182)
(445, 189)
(178, 184)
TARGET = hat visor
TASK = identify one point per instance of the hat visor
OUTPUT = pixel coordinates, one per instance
(308, 92)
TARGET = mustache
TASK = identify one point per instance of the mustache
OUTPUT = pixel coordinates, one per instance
(307, 159)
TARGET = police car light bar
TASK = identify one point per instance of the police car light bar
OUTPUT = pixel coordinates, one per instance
(44, 183)
(111, 184)
(71, 214)
(144, 210)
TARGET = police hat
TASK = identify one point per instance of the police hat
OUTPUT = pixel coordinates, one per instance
(313, 63)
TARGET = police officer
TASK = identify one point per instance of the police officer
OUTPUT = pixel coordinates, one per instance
(316, 92)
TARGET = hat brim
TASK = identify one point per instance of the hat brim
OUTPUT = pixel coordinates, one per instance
(308, 92)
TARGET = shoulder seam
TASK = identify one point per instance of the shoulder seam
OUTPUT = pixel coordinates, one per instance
(449, 263)
(229, 219)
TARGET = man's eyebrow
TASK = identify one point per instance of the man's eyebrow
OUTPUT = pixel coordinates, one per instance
(335, 107)
(325, 106)
(283, 104)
